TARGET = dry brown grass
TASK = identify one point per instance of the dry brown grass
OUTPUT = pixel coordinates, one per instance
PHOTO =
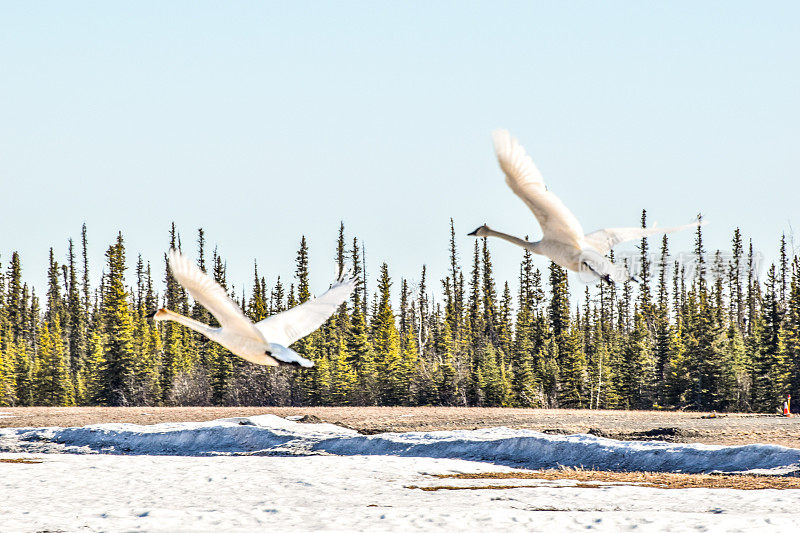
(642, 479)
(21, 460)
(434, 488)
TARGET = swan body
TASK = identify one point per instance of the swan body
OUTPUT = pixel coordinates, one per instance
(563, 239)
(265, 342)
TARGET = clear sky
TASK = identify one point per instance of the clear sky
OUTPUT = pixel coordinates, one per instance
(263, 121)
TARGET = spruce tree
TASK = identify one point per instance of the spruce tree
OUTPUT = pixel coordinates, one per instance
(450, 390)
(85, 286)
(639, 366)
(784, 279)
(457, 294)
(257, 306)
(490, 319)
(572, 375)
(76, 324)
(174, 357)
(751, 301)
(53, 383)
(343, 376)
(392, 367)
(313, 382)
(769, 378)
(559, 304)
(23, 374)
(645, 304)
(221, 361)
(424, 311)
(15, 306)
(735, 281)
(475, 298)
(55, 304)
(792, 331)
(6, 385)
(118, 349)
(358, 294)
(94, 371)
(301, 272)
(504, 322)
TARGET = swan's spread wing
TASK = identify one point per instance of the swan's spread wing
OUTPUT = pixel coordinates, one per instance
(557, 222)
(210, 294)
(603, 240)
(297, 322)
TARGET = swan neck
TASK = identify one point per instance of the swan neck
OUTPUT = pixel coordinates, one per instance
(512, 239)
(190, 323)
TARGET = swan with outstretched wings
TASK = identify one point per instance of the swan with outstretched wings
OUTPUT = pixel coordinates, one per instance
(266, 342)
(563, 239)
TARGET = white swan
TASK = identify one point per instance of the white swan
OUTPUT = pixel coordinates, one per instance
(265, 342)
(563, 240)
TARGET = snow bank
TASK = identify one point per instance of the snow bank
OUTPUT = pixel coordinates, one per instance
(269, 434)
(248, 435)
(531, 449)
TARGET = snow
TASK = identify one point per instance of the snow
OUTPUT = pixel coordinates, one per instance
(267, 472)
(74, 492)
(270, 434)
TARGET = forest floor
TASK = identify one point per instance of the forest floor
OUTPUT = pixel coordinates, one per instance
(671, 426)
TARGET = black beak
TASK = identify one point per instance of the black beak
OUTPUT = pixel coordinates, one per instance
(151, 315)
(475, 233)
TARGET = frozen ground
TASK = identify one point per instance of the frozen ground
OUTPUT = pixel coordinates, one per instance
(258, 472)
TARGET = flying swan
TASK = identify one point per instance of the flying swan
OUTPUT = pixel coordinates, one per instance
(563, 240)
(265, 342)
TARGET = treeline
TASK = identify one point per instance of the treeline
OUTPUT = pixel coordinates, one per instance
(702, 332)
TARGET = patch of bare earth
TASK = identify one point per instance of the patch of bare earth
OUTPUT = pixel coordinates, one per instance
(672, 426)
(599, 478)
(20, 461)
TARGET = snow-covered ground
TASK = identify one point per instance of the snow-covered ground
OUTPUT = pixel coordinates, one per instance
(258, 472)
(270, 435)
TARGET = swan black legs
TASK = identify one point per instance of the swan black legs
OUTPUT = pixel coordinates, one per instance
(606, 277)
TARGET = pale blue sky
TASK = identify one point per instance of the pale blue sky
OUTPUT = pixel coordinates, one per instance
(265, 121)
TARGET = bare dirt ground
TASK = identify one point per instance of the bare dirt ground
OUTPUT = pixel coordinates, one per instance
(598, 478)
(726, 429)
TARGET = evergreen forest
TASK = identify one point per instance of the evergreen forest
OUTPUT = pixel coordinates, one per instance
(702, 332)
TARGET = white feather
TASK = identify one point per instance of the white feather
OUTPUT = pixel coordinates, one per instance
(264, 343)
(297, 322)
(563, 240)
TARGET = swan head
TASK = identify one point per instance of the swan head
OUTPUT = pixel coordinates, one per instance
(482, 231)
(159, 315)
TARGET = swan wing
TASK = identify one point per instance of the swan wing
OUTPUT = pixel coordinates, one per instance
(210, 294)
(557, 222)
(603, 240)
(293, 324)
